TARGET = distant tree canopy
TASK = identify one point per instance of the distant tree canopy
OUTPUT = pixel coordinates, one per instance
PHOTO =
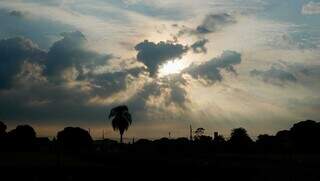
(219, 139)
(199, 132)
(240, 136)
(200, 136)
(73, 138)
(143, 142)
(240, 140)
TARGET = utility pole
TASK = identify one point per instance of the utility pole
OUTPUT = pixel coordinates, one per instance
(102, 134)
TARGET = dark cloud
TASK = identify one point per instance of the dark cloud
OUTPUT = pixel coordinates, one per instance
(71, 52)
(16, 13)
(274, 75)
(112, 82)
(199, 46)
(13, 53)
(283, 72)
(215, 22)
(155, 54)
(210, 70)
(307, 70)
(176, 92)
(30, 90)
(171, 90)
(47, 103)
(211, 23)
(62, 103)
(42, 31)
(38, 91)
(178, 95)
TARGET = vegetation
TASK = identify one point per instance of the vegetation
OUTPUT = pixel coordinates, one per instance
(294, 149)
(121, 119)
(303, 137)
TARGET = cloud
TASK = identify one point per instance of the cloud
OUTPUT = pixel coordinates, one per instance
(210, 71)
(68, 59)
(106, 84)
(16, 13)
(215, 22)
(23, 23)
(168, 10)
(211, 23)
(37, 85)
(311, 8)
(166, 94)
(199, 46)
(58, 104)
(274, 75)
(71, 53)
(155, 54)
(13, 53)
(47, 103)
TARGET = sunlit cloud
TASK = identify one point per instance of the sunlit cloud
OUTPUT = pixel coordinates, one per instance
(311, 8)
(215, 64)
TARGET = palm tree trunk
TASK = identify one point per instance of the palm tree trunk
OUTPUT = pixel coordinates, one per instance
(120, 138)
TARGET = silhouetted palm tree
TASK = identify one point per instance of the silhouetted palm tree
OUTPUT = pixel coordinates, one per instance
(121, 119)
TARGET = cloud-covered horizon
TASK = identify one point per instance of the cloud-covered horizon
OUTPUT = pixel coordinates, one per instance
(220, 65)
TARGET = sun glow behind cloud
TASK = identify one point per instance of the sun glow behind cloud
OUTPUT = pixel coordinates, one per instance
(172, 67)
(115, 29)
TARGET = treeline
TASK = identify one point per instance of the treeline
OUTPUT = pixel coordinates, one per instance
(302, 137)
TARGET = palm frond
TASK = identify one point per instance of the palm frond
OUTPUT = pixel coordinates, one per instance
(121, 118)
(117, 110)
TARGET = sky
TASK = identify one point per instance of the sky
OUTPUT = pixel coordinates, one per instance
(214, 64)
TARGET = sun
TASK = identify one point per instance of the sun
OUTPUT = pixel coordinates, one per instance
(172, 67)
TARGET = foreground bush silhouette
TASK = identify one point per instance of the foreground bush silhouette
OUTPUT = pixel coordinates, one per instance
(266, 143)
(3, 136)
(74, 138)
(306, 136)
(303, 137)
(240, 140)
(3, 129)
(22, 138)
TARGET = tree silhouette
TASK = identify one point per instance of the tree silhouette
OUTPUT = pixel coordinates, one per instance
(266, 143)
(240, 135)
(23, 137)
(284, 141)
(219, 139)
(71, 138)
(306, 135)
(3, 134)
(199, 132)
(240, 140)
(3, 128)
(121, 119)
